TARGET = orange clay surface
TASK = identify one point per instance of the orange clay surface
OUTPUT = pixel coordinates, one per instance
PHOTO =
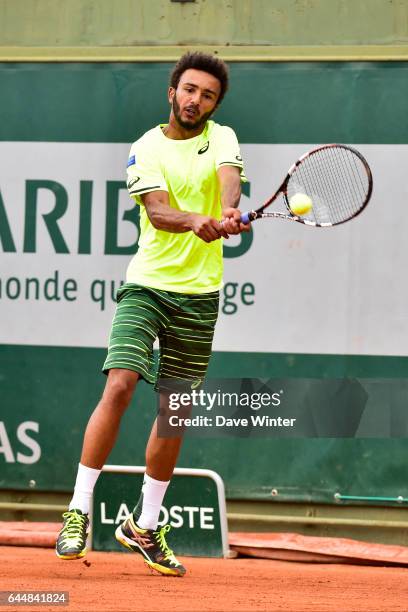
(121, 581)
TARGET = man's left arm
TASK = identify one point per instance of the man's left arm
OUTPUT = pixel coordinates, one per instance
(230, 186)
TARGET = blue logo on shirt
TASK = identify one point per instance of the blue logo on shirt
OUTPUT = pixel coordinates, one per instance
(131, 161)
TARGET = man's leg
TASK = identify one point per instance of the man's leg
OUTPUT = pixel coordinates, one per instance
(100, 436)
(161, 453)
(140, 531)
(161, 458)
(103, 426)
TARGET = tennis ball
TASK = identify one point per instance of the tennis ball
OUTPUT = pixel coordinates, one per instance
(300, 204)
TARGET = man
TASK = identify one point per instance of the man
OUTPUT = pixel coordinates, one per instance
(186, 177)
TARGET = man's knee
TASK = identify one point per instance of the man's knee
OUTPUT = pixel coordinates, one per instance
(120, 387)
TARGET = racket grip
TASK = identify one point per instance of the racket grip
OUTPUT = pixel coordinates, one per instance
(245, 218)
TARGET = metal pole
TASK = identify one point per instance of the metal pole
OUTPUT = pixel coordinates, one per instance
(33, 507)
(307, 520)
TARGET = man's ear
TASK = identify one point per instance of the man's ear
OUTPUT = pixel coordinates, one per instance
(171, 94)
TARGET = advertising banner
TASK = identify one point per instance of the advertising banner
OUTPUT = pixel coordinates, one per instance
(69, 229)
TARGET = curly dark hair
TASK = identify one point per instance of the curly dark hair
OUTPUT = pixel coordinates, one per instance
(205, 62)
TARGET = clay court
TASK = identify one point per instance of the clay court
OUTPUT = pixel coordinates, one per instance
(120, 581)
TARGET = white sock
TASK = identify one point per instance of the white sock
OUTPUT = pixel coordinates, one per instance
(84, 486)
(153, 494)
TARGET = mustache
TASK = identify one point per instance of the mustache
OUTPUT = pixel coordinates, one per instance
(185, 124)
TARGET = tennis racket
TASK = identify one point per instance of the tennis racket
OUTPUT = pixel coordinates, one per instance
(335, 177)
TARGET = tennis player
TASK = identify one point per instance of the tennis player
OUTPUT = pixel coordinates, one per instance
(186, 177)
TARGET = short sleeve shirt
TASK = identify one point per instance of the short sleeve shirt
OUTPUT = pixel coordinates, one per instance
(187, 170)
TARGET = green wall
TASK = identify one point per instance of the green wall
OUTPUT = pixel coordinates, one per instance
(268, 103)
(290, 102)
(58, 388)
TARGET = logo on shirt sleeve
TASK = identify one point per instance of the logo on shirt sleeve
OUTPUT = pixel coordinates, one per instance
(131, 161)
(133, 181)
(204, 148)
(238, 158)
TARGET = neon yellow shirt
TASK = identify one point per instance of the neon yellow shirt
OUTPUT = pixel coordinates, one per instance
(187, 170)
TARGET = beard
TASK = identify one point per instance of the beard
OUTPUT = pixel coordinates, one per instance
(188, 125)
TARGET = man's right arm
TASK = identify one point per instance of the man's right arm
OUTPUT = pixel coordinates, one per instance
(163, 217)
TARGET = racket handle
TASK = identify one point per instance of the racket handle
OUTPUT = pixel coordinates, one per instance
(246, 218)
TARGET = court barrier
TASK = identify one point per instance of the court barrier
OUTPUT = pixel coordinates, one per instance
(194, 507)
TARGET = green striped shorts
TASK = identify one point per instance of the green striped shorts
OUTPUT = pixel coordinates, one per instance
(184, 325)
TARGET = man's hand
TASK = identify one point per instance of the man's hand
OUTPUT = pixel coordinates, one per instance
(230, 184)
(231, 221)
(207, 228)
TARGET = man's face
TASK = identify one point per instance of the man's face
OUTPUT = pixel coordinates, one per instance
(195, 98)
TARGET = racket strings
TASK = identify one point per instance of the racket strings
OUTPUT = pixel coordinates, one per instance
(336, 180)
(333, 193)
(348, 194)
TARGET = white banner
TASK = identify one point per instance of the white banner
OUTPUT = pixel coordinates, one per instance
(296, 289)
